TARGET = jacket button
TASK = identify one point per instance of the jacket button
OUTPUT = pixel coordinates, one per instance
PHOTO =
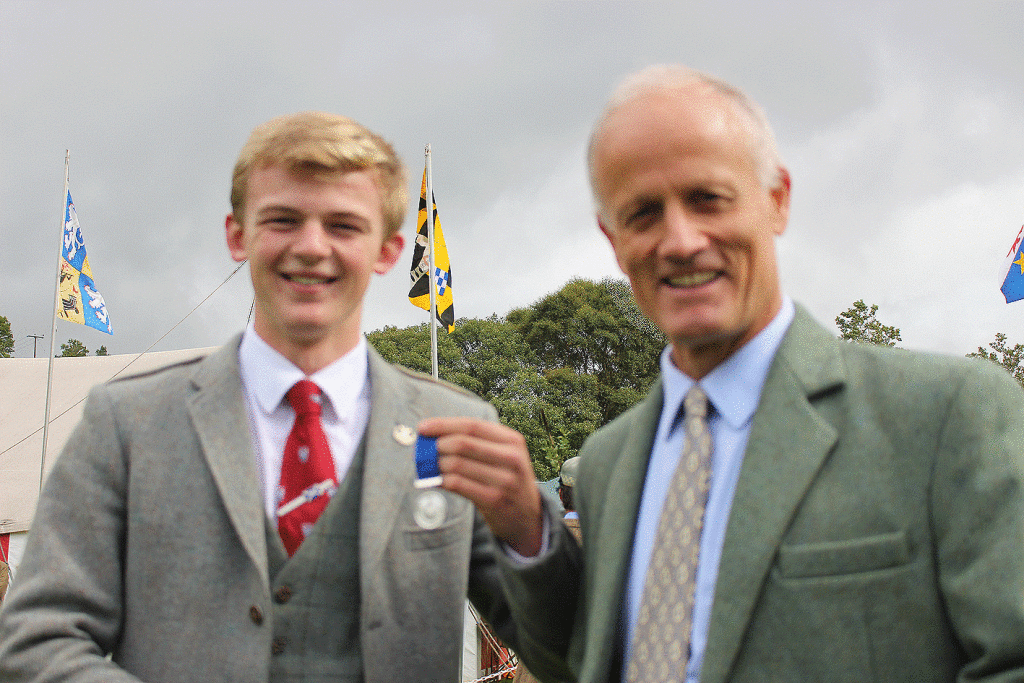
(283, 594)
(277, 645)
(256, 614)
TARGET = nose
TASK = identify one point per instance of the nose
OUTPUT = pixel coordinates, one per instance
(684, 235)
(311, 241)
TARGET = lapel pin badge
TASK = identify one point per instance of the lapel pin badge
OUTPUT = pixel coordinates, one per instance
(404, 435)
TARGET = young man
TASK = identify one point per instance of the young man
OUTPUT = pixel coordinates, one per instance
(783, 505)
(251, 516)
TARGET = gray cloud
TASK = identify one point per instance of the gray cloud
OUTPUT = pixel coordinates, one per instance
(900, 125)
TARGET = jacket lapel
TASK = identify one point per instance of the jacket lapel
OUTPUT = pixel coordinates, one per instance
(609, 547)
(391, 408)
(788, 442)
(220, 417)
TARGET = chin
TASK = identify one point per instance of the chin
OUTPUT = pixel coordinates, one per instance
(694, 328)
(306, 332)
(706, 334)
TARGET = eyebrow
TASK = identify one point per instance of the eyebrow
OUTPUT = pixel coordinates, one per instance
(276, 208)
(637, 204)
(285, 208)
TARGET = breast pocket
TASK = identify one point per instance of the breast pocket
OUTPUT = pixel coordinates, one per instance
(837, 558)
(435, 519)
(429, 539)
(850, 606)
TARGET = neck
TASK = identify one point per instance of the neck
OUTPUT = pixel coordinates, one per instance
(311, 356)
(314, 358)
(697, 361)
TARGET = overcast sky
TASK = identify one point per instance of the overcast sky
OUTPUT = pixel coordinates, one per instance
(902, 127)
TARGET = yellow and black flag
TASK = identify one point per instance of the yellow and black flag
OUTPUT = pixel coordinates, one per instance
(419, 295)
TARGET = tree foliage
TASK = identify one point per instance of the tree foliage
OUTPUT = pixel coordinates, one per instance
(588, 328)
(6, 338)
(102, 351)
(1009, 358)
(73, 349)
(858, 323)
(555, 371)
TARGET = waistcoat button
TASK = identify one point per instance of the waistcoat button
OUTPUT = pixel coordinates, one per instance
(277, 645)
(283, 594)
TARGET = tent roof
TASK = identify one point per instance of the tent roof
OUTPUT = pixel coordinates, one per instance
(22, 410)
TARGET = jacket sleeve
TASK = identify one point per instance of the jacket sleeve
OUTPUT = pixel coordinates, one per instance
(530, 608)
(977, 503)
(63, 614)
(541, 601)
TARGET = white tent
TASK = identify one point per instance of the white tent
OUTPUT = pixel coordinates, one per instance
(22, 410)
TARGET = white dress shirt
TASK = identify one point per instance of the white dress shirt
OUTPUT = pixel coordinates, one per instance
(266, 378)
(734, 390)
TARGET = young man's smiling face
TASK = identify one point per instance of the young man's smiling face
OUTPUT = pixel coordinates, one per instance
(691, 222)
(312, 245)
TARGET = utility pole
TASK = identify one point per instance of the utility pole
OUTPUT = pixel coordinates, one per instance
(35, 338)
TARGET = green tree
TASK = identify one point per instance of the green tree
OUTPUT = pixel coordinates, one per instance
(6, 338)
(622, 295)
(489, 354)
(595, 329)
(558, 448)
(410, 346)
(73, 349)
(1010, 358)
(102, 351)
(858, 323)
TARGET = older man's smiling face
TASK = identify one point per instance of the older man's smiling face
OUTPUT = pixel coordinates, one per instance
(691, 223)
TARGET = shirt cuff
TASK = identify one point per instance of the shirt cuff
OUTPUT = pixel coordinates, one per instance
(545, 545)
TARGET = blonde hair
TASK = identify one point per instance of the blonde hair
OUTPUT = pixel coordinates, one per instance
(320, 144)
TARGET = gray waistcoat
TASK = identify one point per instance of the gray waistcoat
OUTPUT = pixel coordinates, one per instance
(316, 593)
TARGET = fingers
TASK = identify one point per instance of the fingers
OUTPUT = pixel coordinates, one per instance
(489, 464)
(482, 450)
(439, 427)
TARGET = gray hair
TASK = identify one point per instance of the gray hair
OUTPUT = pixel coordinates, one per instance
(668, 77)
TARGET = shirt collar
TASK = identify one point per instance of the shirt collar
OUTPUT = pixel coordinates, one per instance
(734, 386)
(268, 375)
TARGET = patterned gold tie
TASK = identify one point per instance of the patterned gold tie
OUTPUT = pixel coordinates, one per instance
(661, 642)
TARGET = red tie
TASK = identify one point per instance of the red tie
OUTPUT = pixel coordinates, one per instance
(307, 470)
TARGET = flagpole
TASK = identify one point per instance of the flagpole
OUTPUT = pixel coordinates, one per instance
(53, 325)
(431, 267)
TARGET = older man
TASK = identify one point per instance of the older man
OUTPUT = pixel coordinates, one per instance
(783, 506)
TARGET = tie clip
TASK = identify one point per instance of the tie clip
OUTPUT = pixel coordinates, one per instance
(310, 494)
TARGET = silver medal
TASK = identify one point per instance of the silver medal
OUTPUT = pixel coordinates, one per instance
(431, 508)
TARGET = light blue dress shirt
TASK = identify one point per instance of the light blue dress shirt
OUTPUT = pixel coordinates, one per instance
(734, 390)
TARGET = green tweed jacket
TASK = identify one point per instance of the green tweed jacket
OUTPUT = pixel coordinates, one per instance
(876, 534)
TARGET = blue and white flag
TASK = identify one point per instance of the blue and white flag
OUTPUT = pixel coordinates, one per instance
(79, 301)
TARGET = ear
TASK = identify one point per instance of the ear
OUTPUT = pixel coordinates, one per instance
(390, 250)
(780, 198)
(233, 233)
(609, 233)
